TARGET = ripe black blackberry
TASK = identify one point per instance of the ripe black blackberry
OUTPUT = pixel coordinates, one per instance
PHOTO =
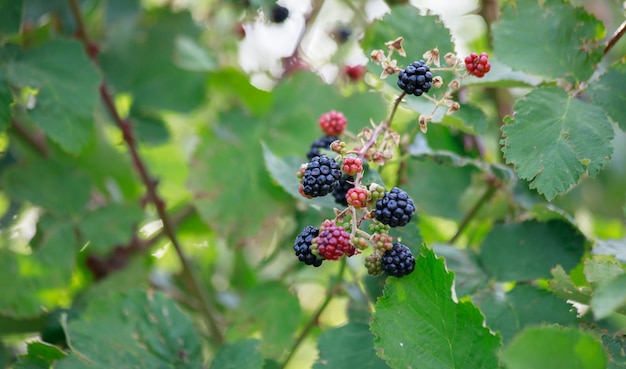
(321, 143)
(321, 176)
(398, 261)
(416, 78)
(339, 193)
(395, 209)
(279, 14)
(302, 246)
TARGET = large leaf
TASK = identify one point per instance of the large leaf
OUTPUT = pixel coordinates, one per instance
(417, 321)
(351, 345)
(559, 41)
(57, 186)
(38, 282)
(522, 307)
(67, 89)
(141, 61)
(136, 329)
(469, 275)
(10, 17)
(529, 250)
(609, 297)
(605, 93)
(272, 310)
(109, 226)
(6, 98)
(554, 347)
(554, 139)
(40, 355)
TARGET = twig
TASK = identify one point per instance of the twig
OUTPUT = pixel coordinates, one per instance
(36, 142)
(151, 186)
(616, 36)
(489, 192)
(315, 318)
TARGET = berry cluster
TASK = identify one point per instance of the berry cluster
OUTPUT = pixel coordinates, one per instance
(343, 177)
(416, 78)
(477, 65)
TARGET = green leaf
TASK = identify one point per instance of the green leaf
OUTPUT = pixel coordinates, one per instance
(57, 186)
(40, 355)
(559, 41)
(605, 93)
(469, 275)
(404, 21)
(242, 354)
(417, 321)
(601, 269)
(522, 307)
(554, 139)
(6, 99)
(609, 297)
(529, 250)
(615, 347)
(148, 126)
(10, 17)
(190, 55)
(39, 281)
(109, 226)
(138, 57)
(283, 171)
(348, 346)
(67, 90)
(275, 312)
(564, 288)
(554, 347)
(616, 248)
(136, 329)
(469, 119)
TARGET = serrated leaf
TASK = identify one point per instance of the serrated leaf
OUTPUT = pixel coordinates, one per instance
(606, 94)
(615, 348)
(283, 171)
(109, 226)
(522, 307)
(564, 288)
(67, 83)
(609, 297)
(59, 187)
(138, 57)
(39, 281)
(554, 347)
(600, 269)
(351, 345)
(242, 354)
(275, 312)
(40, 355)
(416, 321)
(529, 250)
(135, 329)
(554, 139)
(560, 41)
(469, 276)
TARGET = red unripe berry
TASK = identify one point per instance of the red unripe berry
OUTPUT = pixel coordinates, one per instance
(357, 197)
(333, 241)
(333, 123)
(352, 166)
(355, 72)
(477, 65)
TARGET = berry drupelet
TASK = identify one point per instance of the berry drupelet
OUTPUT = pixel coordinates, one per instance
(321, 143)
(321, 176)
(395, 209)
(416, 78)
(302, 246)
(398, 261)
(339, 193)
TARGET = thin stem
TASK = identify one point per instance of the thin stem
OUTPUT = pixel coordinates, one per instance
(332, 289)
(489, 192)
(36, 142)
(616, 36)
(151, 188)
